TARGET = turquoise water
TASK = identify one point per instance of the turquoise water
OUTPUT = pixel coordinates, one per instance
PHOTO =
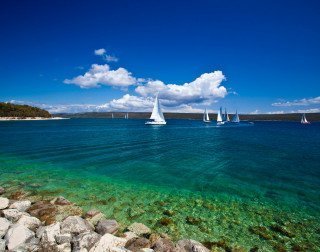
(187, 179)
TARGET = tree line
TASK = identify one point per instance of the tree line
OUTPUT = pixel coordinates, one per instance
(14, 110)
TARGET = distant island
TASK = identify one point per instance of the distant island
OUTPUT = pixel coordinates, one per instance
(9, 111)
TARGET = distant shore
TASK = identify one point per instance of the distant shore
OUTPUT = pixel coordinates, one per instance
(31, 118)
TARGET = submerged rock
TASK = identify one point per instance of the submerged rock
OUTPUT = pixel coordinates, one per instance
(4, 226)
(22, 206)
(165, 221)
(2, 190)
(282, 230)
(75, 225)
(44, 211)
(4, 203)
(261, 231)
(139, 229)
(107, 226)
(193, 220)
(18, 235)
(136, 244)
(190, 246)
(91, 213)
(60, 201)
(107, 243)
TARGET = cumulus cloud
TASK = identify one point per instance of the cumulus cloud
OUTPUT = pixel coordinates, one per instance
(103, 75)
(206, 88)
(103, 53)
(301, 102)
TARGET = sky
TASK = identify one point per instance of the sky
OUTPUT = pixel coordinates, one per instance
(79, 56)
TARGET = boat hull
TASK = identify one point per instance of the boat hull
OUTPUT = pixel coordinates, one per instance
(155, 123)
(205, 121)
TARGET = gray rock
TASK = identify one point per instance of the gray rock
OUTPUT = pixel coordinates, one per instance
(31, 246)
(190, 246)
(40, 231)
(85, 241)
(63, 238)
(4, 226)
(21, 206)
(13, 215)
(2, 190)
(4, 203)
(60, 201)
(96, 218)
(30, 222)
(107, 226)
(91, 213)
(17, 235)
(75, 225)
(136, 244)
(65, 247)
(164, 245)
(2, 245)
(146, 250)
(48, 237)
(107, 243)
(129, 235)
(139, 229)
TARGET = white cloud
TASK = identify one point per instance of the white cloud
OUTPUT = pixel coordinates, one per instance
(103, 53)
(206, 88)
(100, 52)
(301, 102)
(102, 75)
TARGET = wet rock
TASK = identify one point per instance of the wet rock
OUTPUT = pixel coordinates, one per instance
(96, 218)
(4, 226)
(4, 203)
(85, 241)
(136, 244)
(91, 213)
(44, 211)
(30, 222)
(107, 226)
(75, 225)
(107, 243)
(282, 230)
(193, 220)
(18, 195)
(163, 245)
(18, 235)
(63, 238)
(2, 190)
(60, 201)
(139, 229)
(190, 246)
(2, 245)
(21, 206)
(165, 221)
(261, 231)
(12, 215)
(254, 249)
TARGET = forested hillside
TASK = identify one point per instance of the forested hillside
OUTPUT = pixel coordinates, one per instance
(13, 110)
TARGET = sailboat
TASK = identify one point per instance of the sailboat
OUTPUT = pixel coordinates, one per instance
(219, 117)
(226, 116)
(126, 116)
(304, 119)
(112, 116)
(206, 118)
(157, 115)
(235, 118)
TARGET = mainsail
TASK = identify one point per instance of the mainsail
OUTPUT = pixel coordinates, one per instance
(206, 116)
(157, 114)
(219, 116)
(226, 116)
(235, 118)
(304, 119)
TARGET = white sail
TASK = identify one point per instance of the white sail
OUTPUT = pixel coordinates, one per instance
(235, 118)
(112, 115)
(157, 114)
(127, 115)
(304, 119)
(206, 116)
(219, 115)
(226, 116)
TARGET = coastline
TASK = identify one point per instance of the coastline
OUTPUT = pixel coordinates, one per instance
(31, 118)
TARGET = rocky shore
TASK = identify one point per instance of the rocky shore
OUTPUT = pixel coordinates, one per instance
(30, 223)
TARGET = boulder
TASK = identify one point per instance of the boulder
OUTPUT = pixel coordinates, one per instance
(107, 226)
(40, 231)
(30, 222)
(44, 211)
(48, 237)
(85, 241)
(91, 213)
(65, 247)
(2, 245)
(136, 244)
(4, 226)
(21, 206)
(4, 203)
(2, 190)
(63, 238)
(75, 225)
(31, 246)
(96, 218)
(107, 243)
(190, 246)
(12, 215)
(164, 245)
(17, 235)
(139, 229)
(129, 235)
(146, 250)
(60, 201)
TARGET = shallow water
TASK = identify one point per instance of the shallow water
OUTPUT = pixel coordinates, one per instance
(187, 179)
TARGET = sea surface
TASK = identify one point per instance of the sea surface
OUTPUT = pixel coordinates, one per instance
(252, 185)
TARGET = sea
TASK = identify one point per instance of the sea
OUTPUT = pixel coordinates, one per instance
(251, 186)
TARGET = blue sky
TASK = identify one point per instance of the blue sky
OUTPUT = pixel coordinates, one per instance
(254, 56)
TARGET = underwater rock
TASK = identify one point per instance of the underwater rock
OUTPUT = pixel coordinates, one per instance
(261, 231)
(193, 220)
(2, 190)
(168, 212)
(136, 244)
(190, 246)
(139, 229)
(91, 213)
(44, 211)
(60, 201)
(217, 244)
(282, 230)
(4, 203)
(21, 205)
(18, 195)
(4, 226)
(107, 226)
(165, 221)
